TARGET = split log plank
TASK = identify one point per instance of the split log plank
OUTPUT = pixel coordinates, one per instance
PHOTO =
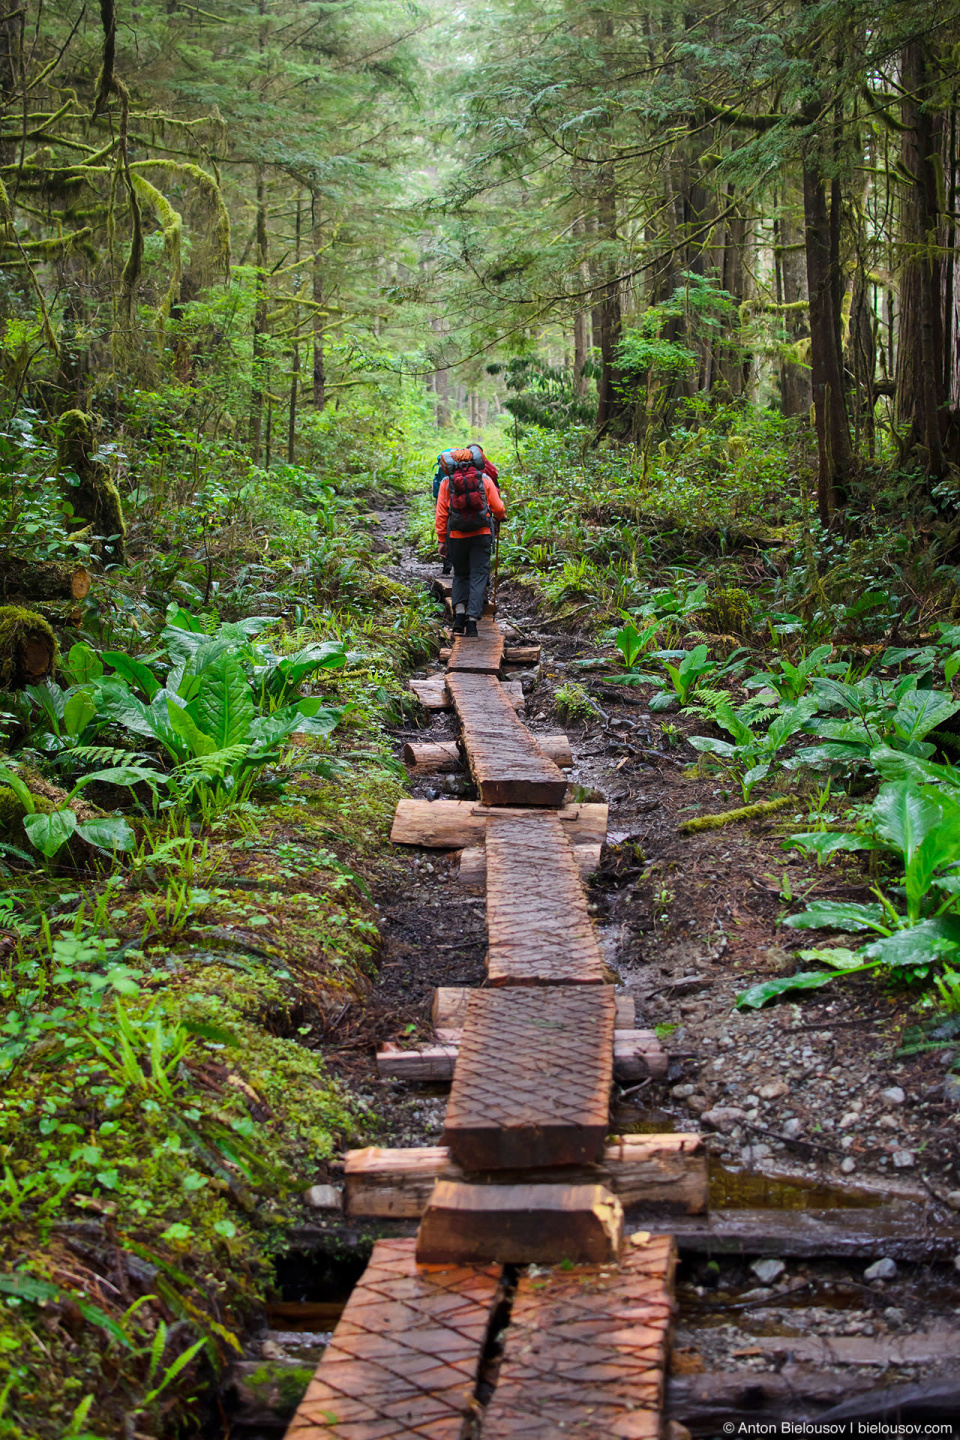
(637, 1054)
(479, 655)
(454, 824)
(450, 1003)
(520, 1224)
(665, 1174)
(538, 926)
(472, 871)
(404, 1356)
(521, 655)
(507, 766)
(585, 1351)
(532, 1081)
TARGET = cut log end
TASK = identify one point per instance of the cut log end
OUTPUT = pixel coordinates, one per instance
(520, 1224)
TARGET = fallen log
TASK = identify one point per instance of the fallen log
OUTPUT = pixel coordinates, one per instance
(456, 824)
(521, 655)
(42, 579)
(637, 1054)
(666, 1174)
(758, 811)
(432, 693)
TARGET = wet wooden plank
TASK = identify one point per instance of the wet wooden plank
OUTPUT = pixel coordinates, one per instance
(585, 1352)
(520, 1224)
(454, 824)
(532, 1080)
(481, 655)
(404, 1357)
(902, 1233)
(665, 1174)
(538, 925)
(505, 761)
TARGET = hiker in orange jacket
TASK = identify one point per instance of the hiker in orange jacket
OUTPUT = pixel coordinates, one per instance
(468, 507)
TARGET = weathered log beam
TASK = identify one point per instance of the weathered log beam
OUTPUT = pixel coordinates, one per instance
(456, 824)
(450, 1008)
(637, 1054)
(666, 1174)
(42, 579)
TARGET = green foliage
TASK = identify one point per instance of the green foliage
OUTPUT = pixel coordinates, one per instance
(574, 705)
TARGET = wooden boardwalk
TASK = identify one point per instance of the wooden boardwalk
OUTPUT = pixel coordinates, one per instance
(507, 764)
(539, 928)
(528, 1172)
(585, 1351)
(532, 1080)
(404, 1358)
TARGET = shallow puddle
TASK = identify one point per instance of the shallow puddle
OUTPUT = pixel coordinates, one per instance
(748, 1190)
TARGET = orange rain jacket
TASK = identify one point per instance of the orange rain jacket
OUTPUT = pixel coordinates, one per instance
(494, 503)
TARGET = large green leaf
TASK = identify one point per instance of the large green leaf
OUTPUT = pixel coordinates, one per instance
(108, 832)
(827, 842)
(759, 995)
(184, 725)
(133, 671)
(224, 705)
(918, 944)
(120, 775)
(49, 833)
(83, 663)
(898, 765)
(79, 709)
(840, 915)
(902, 818)
(712, 747)
(921, 711)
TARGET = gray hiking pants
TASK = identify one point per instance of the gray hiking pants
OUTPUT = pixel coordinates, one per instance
(471, 571)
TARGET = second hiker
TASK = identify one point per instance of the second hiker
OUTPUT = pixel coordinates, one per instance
(468, 508)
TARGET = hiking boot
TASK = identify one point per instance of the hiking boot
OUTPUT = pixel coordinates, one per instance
(459, 624)
(471, 630)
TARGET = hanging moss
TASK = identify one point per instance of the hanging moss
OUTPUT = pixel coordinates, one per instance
(28, 648)
(757, 811)
(86, 483)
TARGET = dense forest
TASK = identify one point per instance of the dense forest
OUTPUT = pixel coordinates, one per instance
(691, 274)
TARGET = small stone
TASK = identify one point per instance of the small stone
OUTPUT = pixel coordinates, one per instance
(750, 1154)
(793, 1128)
(890, 1122)
(698, 1103)
(903, 1159)
(323, 1197)
(270, 1350)
(894, 1096)
(767, 1271)
(953, 1199)
(722, 1117)
(885, 1269)
(956, 1262)
(894, 1315)
(848, 1165)
(773, 1090)
(951, 1089)
(851, 1118)
(683, 1091)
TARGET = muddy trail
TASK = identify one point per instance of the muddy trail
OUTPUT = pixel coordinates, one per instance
(808, 1116)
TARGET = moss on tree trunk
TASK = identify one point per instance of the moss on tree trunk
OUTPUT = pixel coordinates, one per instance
(86, 483)
(28, 648)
